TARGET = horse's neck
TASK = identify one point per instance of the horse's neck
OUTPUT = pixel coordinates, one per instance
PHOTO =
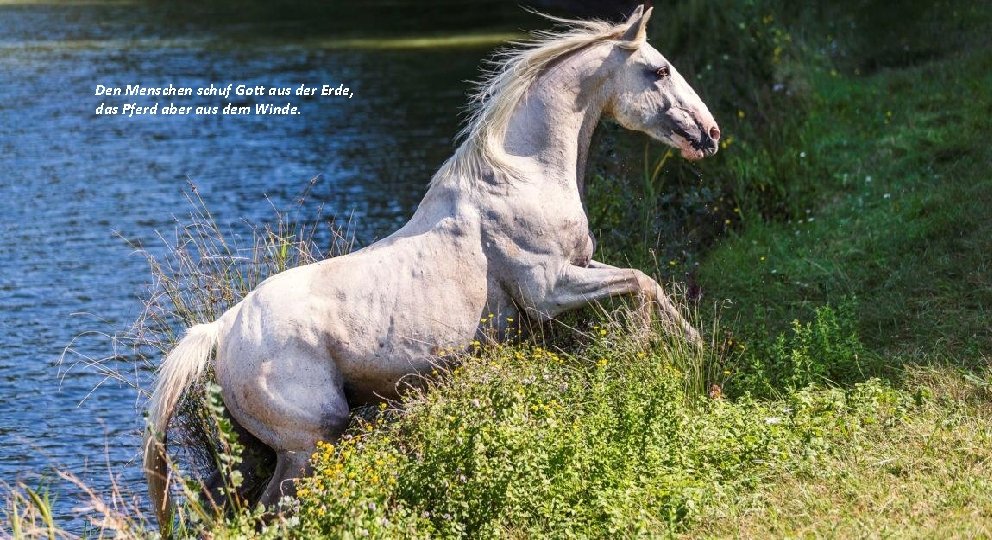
(547, 137)
(552, 127)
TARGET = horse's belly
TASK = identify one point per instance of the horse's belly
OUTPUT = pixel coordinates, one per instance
(374, 359)
(384, 326)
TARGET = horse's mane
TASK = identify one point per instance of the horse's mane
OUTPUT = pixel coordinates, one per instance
(496, 95)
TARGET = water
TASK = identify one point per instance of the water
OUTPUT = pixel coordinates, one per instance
(72, 184)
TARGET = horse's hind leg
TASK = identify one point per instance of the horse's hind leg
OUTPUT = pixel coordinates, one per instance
(290, 403)
(319, 416)
(289, 467)
(298, 441)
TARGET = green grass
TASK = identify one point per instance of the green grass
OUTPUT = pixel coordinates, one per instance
(926, 473)
(525, 442)
(854, 359)
(898, 219)
(898, 226)
(854, 351)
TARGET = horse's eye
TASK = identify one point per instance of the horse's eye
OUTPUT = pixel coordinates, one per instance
(663, 71)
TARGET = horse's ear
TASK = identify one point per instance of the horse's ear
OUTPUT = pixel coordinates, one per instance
(637, 29)
(635, 15)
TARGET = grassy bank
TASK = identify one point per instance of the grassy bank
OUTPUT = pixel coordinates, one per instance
(896, 224)
(847, 390)
(899, 216)
(852, 373)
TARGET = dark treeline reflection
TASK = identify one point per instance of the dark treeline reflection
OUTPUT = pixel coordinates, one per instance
(380, 17)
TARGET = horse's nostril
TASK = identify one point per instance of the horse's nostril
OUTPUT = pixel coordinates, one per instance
(715, 133)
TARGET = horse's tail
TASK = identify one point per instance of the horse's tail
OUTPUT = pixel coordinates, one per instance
(181, 367)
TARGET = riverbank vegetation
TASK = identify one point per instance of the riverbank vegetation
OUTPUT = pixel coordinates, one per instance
(836, 253)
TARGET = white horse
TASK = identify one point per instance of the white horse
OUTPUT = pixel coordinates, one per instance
(501, 230)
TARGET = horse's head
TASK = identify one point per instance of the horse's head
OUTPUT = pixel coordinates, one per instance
(649, 95)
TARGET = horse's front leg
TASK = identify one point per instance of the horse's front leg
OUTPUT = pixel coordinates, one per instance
(653, 298)
(581, 285)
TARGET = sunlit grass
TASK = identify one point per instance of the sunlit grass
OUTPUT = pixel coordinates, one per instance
(929, 474)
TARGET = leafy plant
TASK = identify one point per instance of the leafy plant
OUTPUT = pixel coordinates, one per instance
(825, 350)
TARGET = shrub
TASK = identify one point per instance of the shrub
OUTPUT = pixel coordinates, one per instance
(825, 350)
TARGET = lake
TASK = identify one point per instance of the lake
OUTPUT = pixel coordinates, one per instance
(77, 187)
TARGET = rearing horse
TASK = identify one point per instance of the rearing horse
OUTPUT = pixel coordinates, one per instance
(501, 230)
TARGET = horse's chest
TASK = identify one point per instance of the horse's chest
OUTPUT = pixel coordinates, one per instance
(584, 248)
(573, 240)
